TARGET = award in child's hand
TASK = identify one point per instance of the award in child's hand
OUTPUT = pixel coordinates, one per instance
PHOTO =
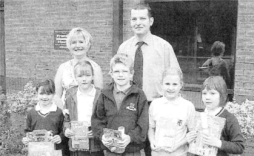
(39, 135)
(211, 125)
(114, 136)
(80, 140)
(40, 144)
(165, 134)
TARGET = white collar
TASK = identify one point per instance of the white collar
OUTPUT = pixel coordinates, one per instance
(174, 102)
(53, 108)
(147, 39)
(214, 113)
(91, 93)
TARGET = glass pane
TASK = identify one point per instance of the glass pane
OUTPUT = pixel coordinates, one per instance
(191, 27)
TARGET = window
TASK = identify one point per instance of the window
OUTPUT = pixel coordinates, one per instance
(191, 27)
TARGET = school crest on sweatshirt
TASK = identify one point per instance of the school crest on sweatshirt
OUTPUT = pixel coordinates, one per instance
(131, 107)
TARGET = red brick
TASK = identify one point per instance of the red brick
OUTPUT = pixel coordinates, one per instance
(248, 72)
(238, 85)
(248, 85)
(238, 72)
(240, 91)
(39, 19)
(244, 78)
(240, 58)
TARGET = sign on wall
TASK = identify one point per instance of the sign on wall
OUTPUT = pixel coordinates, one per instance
(60, 39)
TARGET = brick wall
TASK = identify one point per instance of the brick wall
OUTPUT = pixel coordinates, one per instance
(244, 73)
(30, 24)
(29, 36)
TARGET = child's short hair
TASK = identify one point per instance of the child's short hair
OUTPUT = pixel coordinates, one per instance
(218, 48)
(172, 71)
(81, 64)
(48, 87)
(217, 83)
(76, 31)
(123, 59)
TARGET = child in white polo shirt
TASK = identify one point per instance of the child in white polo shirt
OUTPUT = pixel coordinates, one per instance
(79, 105)
(170, 117)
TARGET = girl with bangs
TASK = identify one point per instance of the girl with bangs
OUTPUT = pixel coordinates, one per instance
(46, 115)
(170, 117)
(214, 97)
(79, 105)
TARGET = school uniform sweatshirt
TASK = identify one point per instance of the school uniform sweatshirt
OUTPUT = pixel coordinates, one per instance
(71, 103)
(53, 121)
(132, 114)
(232, 138)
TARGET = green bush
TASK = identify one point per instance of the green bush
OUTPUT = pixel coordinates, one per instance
(14, 113)
(245, 115)
(23, 100)
(5, 124)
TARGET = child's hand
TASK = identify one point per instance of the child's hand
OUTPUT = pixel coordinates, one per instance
(56, 139)
(105, 141)
(210, 140)
(191, 136)
(90, 134)
(154, 146)
(126, 140)
(25, 140)
(68, 133)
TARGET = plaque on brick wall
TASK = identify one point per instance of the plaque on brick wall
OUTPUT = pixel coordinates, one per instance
(60, 39)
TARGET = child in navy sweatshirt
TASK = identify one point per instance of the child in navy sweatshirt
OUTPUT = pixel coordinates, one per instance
(122, 103)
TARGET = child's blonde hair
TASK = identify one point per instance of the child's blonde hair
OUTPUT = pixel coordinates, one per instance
(217, 83)
(79, 31)
(124, 59)
(173, 71)
(81, 64)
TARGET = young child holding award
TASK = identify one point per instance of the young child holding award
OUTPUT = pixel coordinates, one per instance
(218, 131)
(170, 117)
(45, 116)
(121, 107)
(79, 105)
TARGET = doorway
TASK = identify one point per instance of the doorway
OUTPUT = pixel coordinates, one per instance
(191, 27)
